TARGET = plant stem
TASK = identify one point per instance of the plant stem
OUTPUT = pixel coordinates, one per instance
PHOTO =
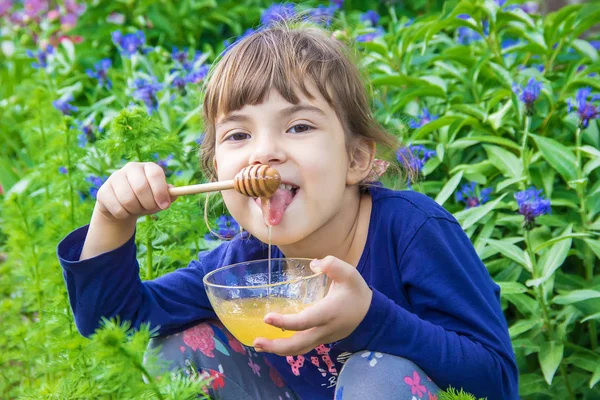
(142, 369)
(524, 155)
(36, 263)
(69, 176)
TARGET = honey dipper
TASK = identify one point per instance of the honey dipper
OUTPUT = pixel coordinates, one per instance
(253, 181)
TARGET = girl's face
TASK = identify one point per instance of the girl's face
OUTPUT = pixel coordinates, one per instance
(306, 144)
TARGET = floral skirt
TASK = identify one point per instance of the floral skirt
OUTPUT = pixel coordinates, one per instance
(237, 372)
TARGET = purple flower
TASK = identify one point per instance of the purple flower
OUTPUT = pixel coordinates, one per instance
(87, 133)
(116, 18)
(586, 110)
(227, 228)
(510, 42)
(532, 204)
(100, 72)
(337, 3)
(164, 163)
(130, 43)
(41, 56)
(33, 8)
(62, 170)
(5, 6)
(468, 195)
(277, 13)
(530, 7)
(595, 44)
(179, 83)
(500, 2)
(146, 92)
(322, 14)
(96, 182)
(179, 56)
(423, 119)
(414, 156)
(368, 37)
(63, 105)
(370, 16)
(198, 75)
(529, 94)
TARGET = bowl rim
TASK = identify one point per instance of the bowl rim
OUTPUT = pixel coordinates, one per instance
(206, 283)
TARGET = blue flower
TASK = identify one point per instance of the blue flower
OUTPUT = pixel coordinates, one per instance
(414, 157)
(227, 228)
(586, 110)
(529, 94)
(583, 67)
(63, 170)
(130, 43)
(532, 204)
(198, 75)
(63, 105)
(146, 92)
(595, 44)
(101, 71)
(468, 195)
(510, 42)
(164, 163)
(96, 182)
(322, 14)
(200, 139)
(337, 3)
(179, 56)
(423, 119)
(41, 56)
(277, 13)
(179, 83)
(87, 133)
(370, 16)
(368, 37)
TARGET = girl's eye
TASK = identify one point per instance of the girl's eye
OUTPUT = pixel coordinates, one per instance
(237, 136)
(300, 128)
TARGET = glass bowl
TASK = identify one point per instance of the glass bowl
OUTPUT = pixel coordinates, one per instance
(242, 294)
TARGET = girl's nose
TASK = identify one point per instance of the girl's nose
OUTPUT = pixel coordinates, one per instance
(267, 151)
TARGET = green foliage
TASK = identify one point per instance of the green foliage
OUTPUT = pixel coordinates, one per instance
(462, 70)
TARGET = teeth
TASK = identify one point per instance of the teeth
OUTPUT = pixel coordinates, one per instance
(286, 187)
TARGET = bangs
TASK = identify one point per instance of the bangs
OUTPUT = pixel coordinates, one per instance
(271, 59)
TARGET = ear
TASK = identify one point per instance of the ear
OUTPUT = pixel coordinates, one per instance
(361, 161)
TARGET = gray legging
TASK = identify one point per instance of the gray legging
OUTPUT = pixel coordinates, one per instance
(235, 375)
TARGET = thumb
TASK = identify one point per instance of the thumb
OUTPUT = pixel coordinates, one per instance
(334, 268)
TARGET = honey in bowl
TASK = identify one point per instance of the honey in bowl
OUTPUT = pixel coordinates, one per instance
(242, 294)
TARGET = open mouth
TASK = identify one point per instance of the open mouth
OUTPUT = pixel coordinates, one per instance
(274, 208)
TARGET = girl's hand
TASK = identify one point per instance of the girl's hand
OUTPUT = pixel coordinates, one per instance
(139, 188)
(331, 319)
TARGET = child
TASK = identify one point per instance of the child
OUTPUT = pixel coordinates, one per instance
(411, 308)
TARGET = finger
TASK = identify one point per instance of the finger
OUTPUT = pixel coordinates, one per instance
(300, 343)
(310, 317)
(125, 196)
(111, 203)
(158, 184)
(334, 268)
(140, 186)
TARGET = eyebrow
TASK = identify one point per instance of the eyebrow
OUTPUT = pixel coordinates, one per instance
(286, 112)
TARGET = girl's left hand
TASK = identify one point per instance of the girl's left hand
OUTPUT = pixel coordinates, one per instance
(331, 319)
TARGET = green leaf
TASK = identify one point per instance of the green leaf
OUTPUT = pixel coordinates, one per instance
(502, 74)
(511, 288)
(590, 317)
(594, 245)
(448, 188)
(595, 378)
(505, 161)
(550, 356)
(435, 124)
(472, 140)
(576, 296)
(469, 217)
(586, 49)
(522, 326)
(552, 259)
(558, 239)
(508, 250)
(558, 156)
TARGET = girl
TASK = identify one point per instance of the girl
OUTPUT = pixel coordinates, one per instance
(411, 309)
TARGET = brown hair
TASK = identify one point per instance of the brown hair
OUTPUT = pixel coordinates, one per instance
(285, 56)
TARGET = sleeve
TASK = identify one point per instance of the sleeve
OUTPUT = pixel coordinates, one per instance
(109, 285)
(455, 330)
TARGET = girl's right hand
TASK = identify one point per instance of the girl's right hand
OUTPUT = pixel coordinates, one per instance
(139, 188)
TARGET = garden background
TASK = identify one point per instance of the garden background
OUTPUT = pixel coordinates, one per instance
(496, 101)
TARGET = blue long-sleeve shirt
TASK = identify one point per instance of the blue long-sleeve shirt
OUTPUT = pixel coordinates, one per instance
(433, 299)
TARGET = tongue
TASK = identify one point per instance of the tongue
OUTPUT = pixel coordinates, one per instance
(273, 208)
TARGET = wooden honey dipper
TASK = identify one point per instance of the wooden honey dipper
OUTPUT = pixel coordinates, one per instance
(253, 181)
